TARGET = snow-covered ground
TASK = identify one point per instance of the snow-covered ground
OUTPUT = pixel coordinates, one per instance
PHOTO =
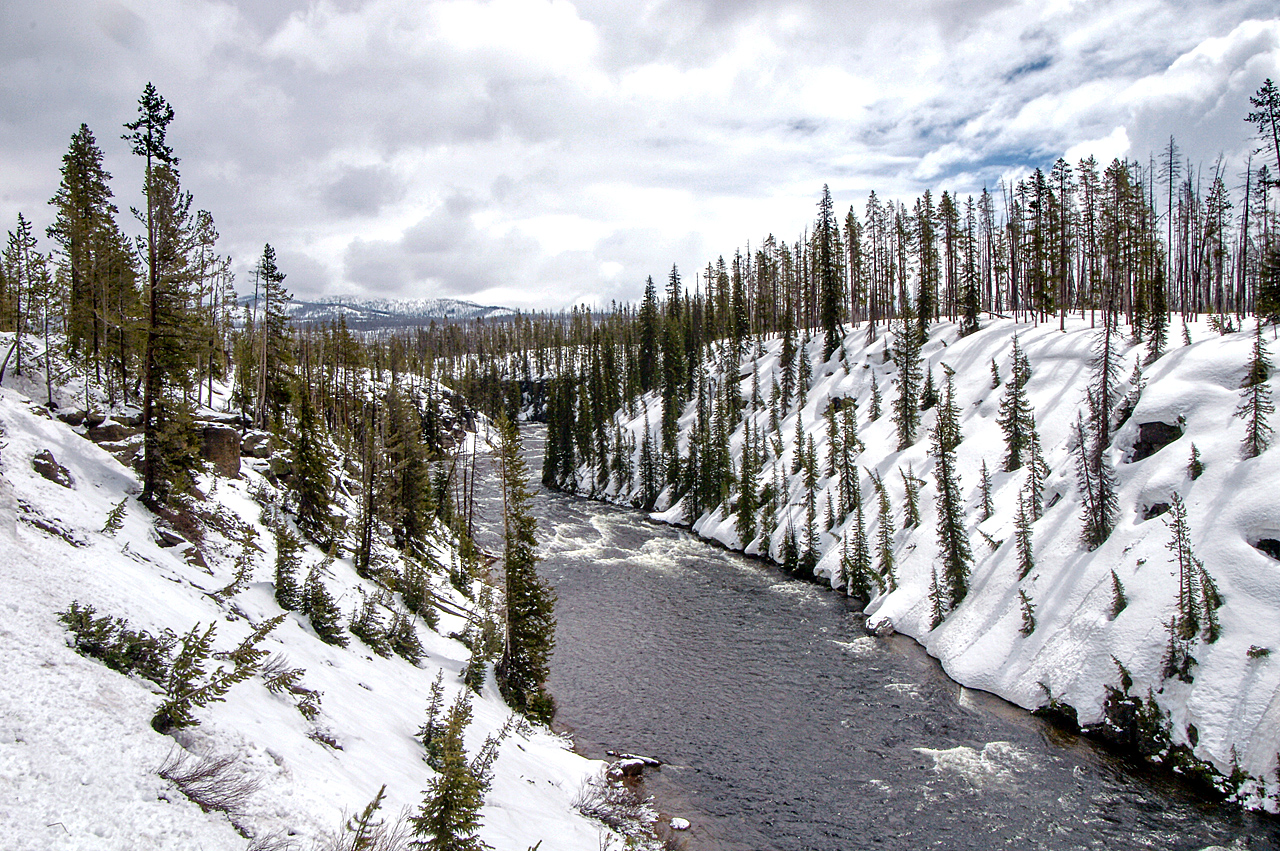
(78, 755)
(1232, 709)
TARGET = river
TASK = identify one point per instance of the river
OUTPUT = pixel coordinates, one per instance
(783, 725)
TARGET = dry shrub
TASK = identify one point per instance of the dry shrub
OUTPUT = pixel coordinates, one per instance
(212, 782)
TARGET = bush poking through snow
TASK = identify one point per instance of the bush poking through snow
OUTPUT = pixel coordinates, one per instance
(115, 519)
(111, 642)
(322, 609)
(366, 832)
(366, 625)
(619, 808)
(211, 782)
(188, 687)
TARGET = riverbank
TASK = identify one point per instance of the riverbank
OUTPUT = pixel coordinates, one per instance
(1060, 635)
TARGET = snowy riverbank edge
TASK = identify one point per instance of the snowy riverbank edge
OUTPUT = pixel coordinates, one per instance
(1229, 715)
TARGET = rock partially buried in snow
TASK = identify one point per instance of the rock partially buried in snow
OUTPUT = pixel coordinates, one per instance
(680, 824)
(46, 465)
(882, 627)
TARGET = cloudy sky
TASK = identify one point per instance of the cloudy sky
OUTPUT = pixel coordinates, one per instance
(541, 153)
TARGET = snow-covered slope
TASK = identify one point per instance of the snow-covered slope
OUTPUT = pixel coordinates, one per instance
(78, 755)
(1232, 709)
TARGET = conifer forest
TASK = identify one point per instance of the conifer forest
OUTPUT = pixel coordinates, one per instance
(1030, 427)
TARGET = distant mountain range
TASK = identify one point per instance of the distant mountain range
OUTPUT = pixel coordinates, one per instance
(372, 313)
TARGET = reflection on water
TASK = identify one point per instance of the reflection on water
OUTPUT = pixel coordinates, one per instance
(784, 726)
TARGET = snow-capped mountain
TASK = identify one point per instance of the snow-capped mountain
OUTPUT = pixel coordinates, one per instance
(373, 313)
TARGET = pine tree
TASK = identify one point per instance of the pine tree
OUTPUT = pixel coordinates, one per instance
(1198, 597)
(312, 486)
(1195, 467)
(953, 540)
(937, 604)
(275, 353)
(1026, 552)
(873, 412)
(906, 356)
(288, 591)
(84, 214)
(322, 610)
(530, 619)
(1255, 399)
(169, 359)
(988, 508)
(884, 534)
(1118, 598)
(911, 497)
(929, 395)
(1016, 414)
(449, 817)
(1098, 500)
(826, 239)
(1028, 613)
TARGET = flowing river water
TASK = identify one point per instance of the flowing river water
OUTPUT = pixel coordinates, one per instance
(782, 725)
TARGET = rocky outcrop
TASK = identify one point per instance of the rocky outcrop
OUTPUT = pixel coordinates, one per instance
(220, 445)
(257, 444)
(46, 465)
(1152, 437)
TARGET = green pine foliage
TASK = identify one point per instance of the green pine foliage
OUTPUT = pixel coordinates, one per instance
(311, 486)
(953, 539)
(1119, 600)
(449, 816)
(114, 644)
(1026, 551)
(1255, 399)
(984, 490)
(322, 610)
(906, 357)
(1198, 596)
(1195, 466)
(1028, 613)
(884, 535)
(115, 518)
(188, 686)
(288, 590)
(366, 624)
(530, 602)
(1016, 417)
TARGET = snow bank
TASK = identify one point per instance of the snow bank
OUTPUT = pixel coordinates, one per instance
(78, 757)
(1232, 709)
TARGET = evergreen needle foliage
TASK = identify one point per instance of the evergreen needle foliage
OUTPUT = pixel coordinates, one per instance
(530, 618)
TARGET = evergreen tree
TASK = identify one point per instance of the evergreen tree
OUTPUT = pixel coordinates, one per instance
(1255, 399)
(449, 817)
(1015, 415)
(906, 356)
(988, 508)
(647, 354)
(826, 238)
(1098, 500)
(1028, 613)
(874, 411)
(1022, 527)
(953, 540)
(1195, 467)
(884, 534)
(168, 360)
(1118, 598)
(275, 353)
(1198, 597)
(311, 483)
(288, 591)
(322, 610)
(911, 498)
(84, 214)
(530, 622)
